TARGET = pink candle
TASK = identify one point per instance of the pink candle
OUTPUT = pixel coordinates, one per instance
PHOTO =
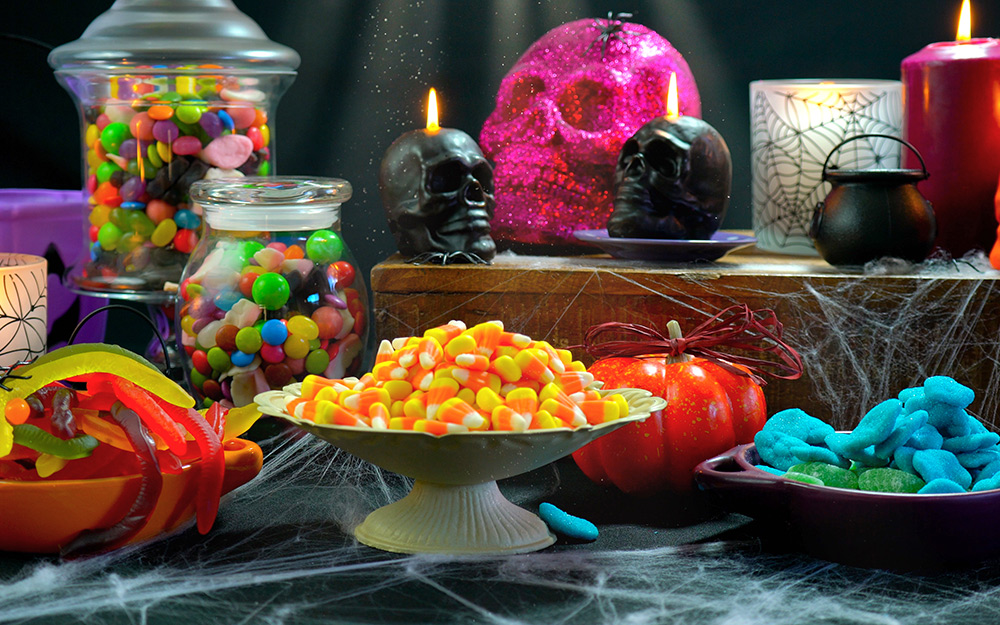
(951, 102)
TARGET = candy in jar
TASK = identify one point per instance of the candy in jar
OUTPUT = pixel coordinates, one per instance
(167, 95)
(271, 294)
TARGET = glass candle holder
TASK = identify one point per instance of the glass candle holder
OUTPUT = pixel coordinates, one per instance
(168, 94)
(794, 125)
(271, 293)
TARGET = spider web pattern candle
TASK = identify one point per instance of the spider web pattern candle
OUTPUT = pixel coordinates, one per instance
(794, 124)
(23, 298)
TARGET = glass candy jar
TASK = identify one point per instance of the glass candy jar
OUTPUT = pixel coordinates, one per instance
(168, 93)
(271, 293)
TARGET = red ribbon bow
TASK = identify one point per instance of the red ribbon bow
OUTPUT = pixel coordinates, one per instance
(735, 327)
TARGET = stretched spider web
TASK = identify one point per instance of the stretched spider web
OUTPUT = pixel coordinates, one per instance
(793, 133)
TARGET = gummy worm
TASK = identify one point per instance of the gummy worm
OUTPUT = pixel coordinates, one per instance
(151, 412)
(34, 437)
(213, 461)
(150, 485)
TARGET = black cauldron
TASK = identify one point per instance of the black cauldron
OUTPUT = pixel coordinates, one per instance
(873, 213)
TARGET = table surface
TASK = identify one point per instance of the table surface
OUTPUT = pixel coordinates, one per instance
(282, 552)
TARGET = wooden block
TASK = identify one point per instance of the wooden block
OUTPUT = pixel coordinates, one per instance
(863, 337)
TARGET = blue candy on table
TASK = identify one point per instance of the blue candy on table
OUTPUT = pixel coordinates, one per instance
(566, 524)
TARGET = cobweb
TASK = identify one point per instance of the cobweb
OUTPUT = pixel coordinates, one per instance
(283, 551)
(794, 132)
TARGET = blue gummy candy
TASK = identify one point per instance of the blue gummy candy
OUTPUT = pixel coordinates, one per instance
(979, 458)
(991, 469)
(866, 457)
(940, 486)
(813, 453)
(926, 437)
(771, 470)
(906, 426)
(972, 442)
(945, 417)
(907, 393)
(941, 388)
(565, 524)
(988, 483)
(932, 464)
(877, 424)
(797, 423)
(842, 444)
(917, 401)
(903, 458)
(774, 448)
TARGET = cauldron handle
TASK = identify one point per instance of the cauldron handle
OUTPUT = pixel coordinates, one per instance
(923, 166)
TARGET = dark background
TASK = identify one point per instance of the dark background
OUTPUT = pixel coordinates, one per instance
(366, 67)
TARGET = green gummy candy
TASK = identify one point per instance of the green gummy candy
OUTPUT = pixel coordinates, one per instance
(829, 474)
(802, 477)
(885, 480)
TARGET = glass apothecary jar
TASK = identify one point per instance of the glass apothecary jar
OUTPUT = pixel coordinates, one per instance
(168, 93)
(271, 293)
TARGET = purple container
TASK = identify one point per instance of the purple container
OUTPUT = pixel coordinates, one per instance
(861, 528)
(48, 223)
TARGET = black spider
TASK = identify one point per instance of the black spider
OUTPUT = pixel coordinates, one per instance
(5, 374)
(445, 258)
(611, 30)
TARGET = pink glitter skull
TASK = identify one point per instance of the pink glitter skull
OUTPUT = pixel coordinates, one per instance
(563, 113)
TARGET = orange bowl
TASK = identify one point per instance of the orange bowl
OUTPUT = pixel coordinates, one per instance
(44, 516)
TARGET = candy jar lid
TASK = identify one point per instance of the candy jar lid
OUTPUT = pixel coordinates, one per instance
(174, 32)
(279, 203)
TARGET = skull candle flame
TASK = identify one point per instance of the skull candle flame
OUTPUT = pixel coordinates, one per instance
(437, 191)
(563, 113)
(673, 179)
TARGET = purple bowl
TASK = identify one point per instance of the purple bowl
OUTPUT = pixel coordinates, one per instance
(859, 528)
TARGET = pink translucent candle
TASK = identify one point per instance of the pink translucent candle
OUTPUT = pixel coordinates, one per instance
(951, 104)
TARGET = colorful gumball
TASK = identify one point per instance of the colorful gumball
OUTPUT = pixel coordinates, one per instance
(274, 332)
(324, 246)
(271, 291)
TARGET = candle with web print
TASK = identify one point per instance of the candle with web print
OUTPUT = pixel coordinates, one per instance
(794, 125)
(23, 298)
(952, 91)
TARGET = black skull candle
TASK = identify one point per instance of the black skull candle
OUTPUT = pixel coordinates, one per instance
(672, 179)
(437, 190)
